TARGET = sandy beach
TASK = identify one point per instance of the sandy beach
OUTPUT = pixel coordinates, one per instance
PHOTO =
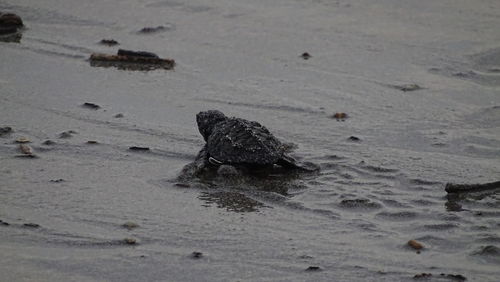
(419, 82)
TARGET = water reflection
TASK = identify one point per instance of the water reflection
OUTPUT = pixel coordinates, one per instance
(231, 201)
(265, 183)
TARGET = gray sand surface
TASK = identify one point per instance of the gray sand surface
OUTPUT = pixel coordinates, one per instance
(353, 220)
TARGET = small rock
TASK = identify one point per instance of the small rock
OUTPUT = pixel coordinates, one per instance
(305, 56)
(340, 116)
(415, 245)
(9, 19)
(10, 23)
(136, 148)
(130, 241)
(465, 74)
(25, 149)
(5, 130)
(438, 144)
(458, 277)
(92, 142)
(422, 275)
(313, 268)
(494, 69)
(57, 180)
(119, 115)
(183, 185)
(149, 29)
(130, 225)
(48, 142)
(109, 42)
(4, 223)
(408, 87)
(67, 134)
(31, 225)
(196, 255)
(23, 140)
(91, 106)
(354, 139)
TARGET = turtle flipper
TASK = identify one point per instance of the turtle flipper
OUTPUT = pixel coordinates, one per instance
(287, 162)
(291, 163)
(196, 167)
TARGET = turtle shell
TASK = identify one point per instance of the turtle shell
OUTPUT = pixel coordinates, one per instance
(239, 141)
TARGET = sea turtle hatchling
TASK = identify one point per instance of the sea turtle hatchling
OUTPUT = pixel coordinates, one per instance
(239, 142)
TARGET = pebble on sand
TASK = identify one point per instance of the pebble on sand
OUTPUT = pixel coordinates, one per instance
(456, 277)
(137, 148)
(130, 241)
(91, 106)
(10, 23)
(196, 255)
(67, 134)
(415, 245)
(149, 29)
(354, 139)
(408, 87)
(109, 42)
(22, 140)
(305, 56)
(48, 142)
(57, 180)
(422, 275)
(130, 225)
(340, 116)
(453, 277)
(25, 149)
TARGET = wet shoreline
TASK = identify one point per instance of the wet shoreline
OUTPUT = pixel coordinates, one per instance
(393, 100)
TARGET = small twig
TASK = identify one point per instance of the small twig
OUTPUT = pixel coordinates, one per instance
(464, 188)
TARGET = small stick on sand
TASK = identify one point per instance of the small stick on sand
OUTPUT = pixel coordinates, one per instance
(164, 63)
(464, 188)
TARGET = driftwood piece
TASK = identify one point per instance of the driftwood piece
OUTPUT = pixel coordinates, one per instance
(131, 62)
(131, 53)
(464, 188)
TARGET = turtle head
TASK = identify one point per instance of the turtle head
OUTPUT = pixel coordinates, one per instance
(207, 121)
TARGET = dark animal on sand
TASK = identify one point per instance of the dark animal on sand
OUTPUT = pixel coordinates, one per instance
(239, 142)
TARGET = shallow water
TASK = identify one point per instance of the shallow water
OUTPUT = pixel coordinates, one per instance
(353, 220)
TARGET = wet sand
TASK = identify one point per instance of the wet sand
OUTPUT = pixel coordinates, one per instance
(353, 220)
